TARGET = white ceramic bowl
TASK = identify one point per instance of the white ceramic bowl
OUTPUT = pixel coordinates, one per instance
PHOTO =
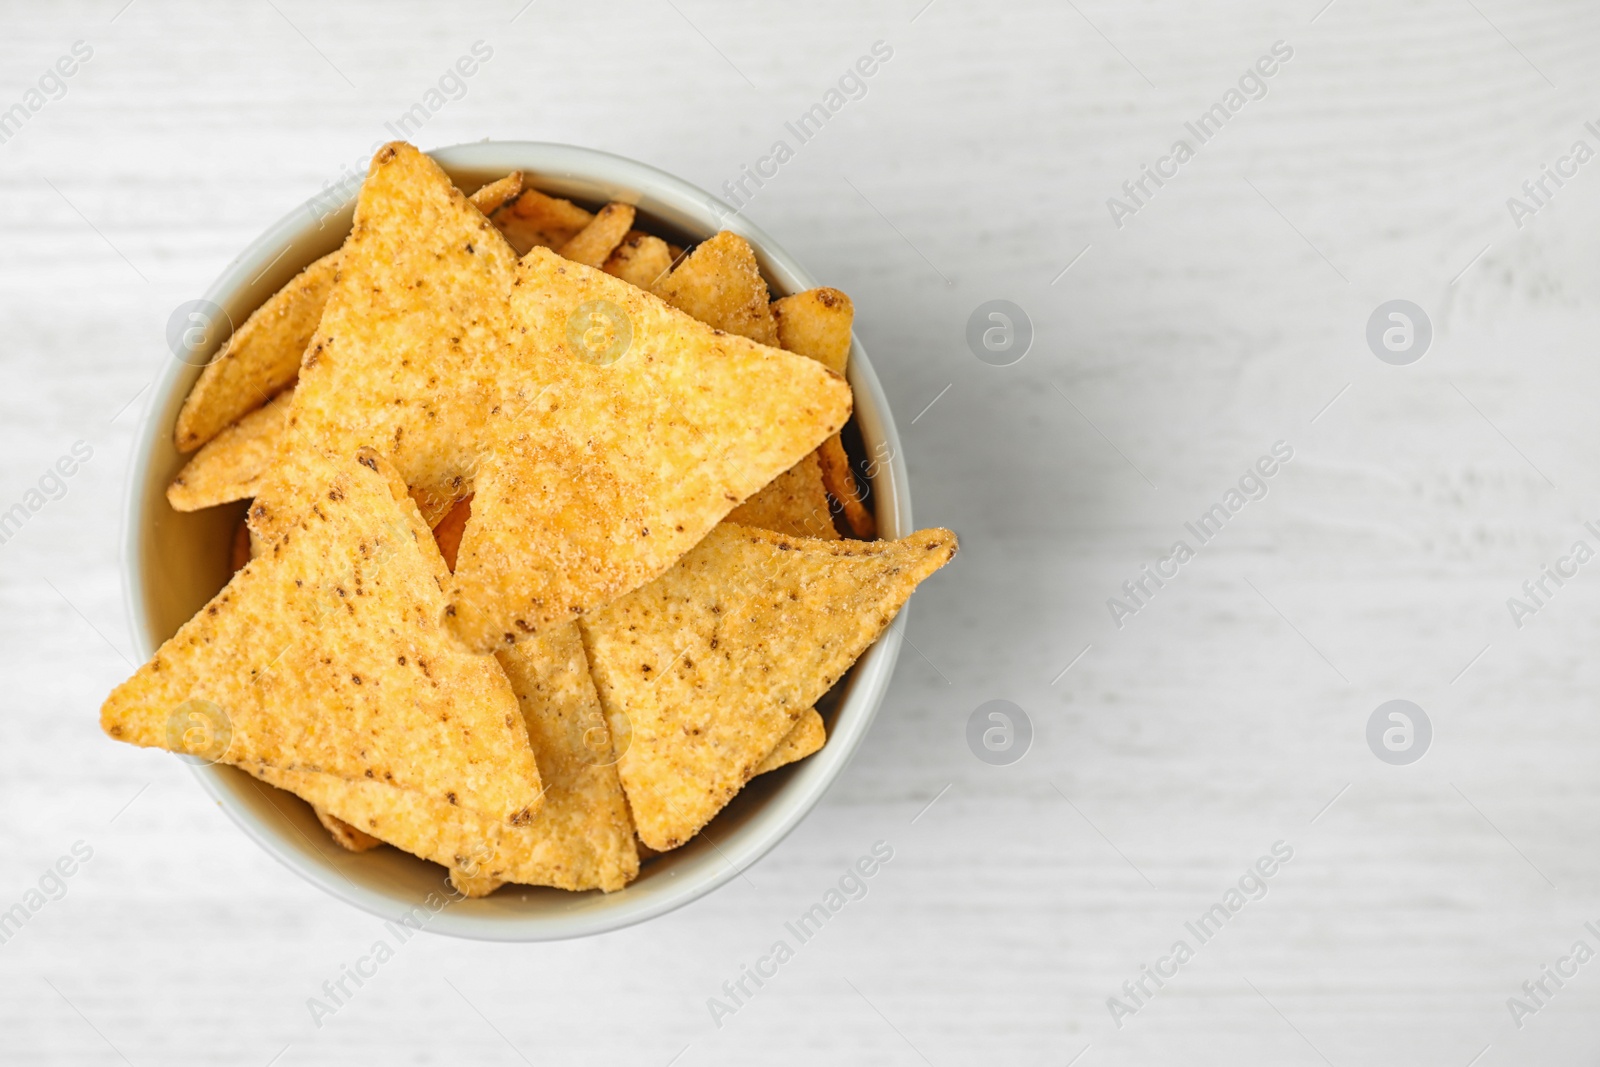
(173, 563)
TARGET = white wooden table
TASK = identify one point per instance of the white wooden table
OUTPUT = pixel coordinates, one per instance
(1226, 313)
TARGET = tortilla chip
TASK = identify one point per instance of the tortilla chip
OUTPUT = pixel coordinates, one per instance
(593, 244)
(840, 481)
(703, 671)
(582, 837)
(601, 477)
(534, 220)
(232, 464)
(260, 358)
(490, 197)
(263, 355)
(345, 834)
(640, 260)
(807, 736)
(721, 285)
(816, 323)
(420, 299)
(326, 654)
(793, 503)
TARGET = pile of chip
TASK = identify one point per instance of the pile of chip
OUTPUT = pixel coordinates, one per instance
(545, 554)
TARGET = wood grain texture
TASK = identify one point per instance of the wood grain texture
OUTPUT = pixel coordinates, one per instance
(1223, 316)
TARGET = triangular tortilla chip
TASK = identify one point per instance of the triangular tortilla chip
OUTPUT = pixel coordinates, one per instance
(491, 196)
(582, 837)
(535, 220)
(326, 654)
(419, 302)
(816, 323)
(232, 464)
(600, 478)
(263, 355)
(703, 671)
(593, 244)
(807, 736)
(641, 259)
(343, 833)
(260, 358)
(840, 481)
(720, 284)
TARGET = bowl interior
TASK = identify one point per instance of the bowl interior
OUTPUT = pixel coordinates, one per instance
(175, 562)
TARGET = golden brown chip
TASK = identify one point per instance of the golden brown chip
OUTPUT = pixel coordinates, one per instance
(582, 837)
(720, 284)
(807, 736)
(232, 464)
(489, 198)
(640, 260)
(534, 220)
(840, 481)
(703, 671)
(793, 503)
(420, 298)
(593, 244)
(326, 654)
(816, 323)
(624, 431)
(345, 834)
(261, 357)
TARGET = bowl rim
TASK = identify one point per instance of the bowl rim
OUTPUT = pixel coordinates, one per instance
(590, 174)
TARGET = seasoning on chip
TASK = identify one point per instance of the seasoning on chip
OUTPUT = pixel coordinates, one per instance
(720, 284)
(232, 464)
(710, 665)
(327, 653)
